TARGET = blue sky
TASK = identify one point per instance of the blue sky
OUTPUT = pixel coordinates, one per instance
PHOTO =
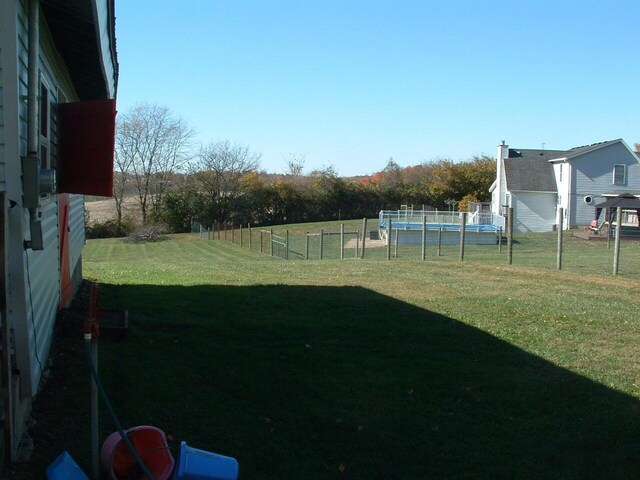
(353, 83)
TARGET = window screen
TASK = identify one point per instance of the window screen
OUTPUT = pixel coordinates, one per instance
(619, 174)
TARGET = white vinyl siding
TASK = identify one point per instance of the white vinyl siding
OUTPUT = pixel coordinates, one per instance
(23, 76)
(533, 211)
(498, 196)
(76, 229)
(592, 176)
(562, 172)
(43, 291)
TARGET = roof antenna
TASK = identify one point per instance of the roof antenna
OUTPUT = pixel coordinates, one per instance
(543, 144)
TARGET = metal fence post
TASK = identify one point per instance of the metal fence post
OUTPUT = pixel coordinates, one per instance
(225, 231)
(395, 250)
(608, 217)
(389, 229)
(560, 229)
(357, 243)
(321, 242)
(424, 237)
(364, 235)
(271, 240)
(616, 245)
(510, 235)
(440, 241)
(463, 225)
(286, 251)
(342, 241)
(306, 246)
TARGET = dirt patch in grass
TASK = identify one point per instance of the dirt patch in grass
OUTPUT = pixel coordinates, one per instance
(369, 243)
(102, 210)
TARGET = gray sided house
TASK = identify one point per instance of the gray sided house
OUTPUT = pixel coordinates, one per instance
(537, 182)
(58, 77)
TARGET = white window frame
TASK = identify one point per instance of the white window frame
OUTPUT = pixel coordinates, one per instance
(624, 174)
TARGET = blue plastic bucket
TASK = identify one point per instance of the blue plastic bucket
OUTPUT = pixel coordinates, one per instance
(65, 468)
(194, 464)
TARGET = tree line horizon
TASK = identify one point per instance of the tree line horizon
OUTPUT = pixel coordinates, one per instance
(176, 182)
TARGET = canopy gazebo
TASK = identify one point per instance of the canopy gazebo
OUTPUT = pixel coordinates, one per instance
(629, 204)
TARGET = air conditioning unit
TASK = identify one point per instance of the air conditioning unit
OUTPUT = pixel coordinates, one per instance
(588, 199)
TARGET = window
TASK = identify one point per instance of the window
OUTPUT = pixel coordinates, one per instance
(619, 174)
(44, 110)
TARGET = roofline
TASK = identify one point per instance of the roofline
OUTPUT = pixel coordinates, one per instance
(558, 160)
(106, 46)
(596, 147)
(618, 194)
(635, 154)
(533, 191)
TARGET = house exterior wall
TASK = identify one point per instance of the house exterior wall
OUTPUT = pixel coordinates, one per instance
(562, 172)
(76, 229)
(592, 175)
(533, 211)
(498, 196)
(42, 291)
(34, 276)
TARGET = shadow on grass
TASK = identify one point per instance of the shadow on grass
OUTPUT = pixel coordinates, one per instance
(327, 382)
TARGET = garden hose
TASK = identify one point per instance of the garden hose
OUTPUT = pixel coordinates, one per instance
(113, 416)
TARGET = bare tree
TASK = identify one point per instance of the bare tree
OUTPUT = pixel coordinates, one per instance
(151, 146)
(221, 168)
(295, 164)
(125, 152)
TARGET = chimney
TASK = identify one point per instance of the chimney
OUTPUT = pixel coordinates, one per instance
(499, 194)
(503, 151)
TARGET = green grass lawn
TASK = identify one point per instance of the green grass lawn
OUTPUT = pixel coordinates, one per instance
(375, 369)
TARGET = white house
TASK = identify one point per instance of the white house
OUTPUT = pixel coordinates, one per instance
(58, 77)
(536, 182)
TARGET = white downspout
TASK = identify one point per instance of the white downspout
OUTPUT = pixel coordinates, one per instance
(31, 164)
(32, 86)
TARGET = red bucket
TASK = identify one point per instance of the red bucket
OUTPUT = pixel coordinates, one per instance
(151, 445)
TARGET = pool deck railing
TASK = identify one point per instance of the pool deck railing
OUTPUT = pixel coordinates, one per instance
(412, 219)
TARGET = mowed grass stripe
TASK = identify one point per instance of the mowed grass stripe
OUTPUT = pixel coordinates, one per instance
(537, 301)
